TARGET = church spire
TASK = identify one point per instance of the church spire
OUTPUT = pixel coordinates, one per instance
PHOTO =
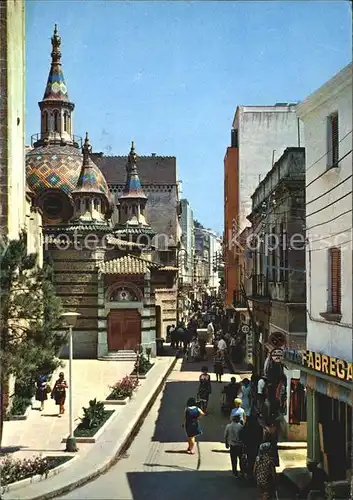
(56, 108)
(56, 87)
(133, 188)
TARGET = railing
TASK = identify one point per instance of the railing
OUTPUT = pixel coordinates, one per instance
(239, 300)
(39, 139)
(260, 286)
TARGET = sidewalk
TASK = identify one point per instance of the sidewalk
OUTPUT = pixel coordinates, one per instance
(92, 459)
(42, 431)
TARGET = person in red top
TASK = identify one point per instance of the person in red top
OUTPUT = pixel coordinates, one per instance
(59, 393)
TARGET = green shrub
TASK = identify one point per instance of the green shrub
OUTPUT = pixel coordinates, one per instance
(93, 415)
(19, 405)
(142, 365)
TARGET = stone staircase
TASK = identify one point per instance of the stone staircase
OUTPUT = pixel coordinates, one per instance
(119, 356)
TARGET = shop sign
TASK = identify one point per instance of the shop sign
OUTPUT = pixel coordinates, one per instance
(294, 355)
(277, 339)
(334, 367)
(245, 329)
(277, 355)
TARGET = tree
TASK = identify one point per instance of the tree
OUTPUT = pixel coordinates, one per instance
(30, 317)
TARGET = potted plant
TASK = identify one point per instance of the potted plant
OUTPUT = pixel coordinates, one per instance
(124, 388)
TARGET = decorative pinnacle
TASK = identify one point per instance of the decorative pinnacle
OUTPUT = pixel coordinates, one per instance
(87, 148)
(131, 166)
(56, 42)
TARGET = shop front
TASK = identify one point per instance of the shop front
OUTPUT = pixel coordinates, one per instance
(328, 383)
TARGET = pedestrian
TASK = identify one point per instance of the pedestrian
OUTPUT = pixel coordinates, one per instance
(205, 388)
(265, 473)
(232, 438)
(271, 436)
(245, 389)
(218, 361)
(252, 437)
(222, 345)
(195, 350)
(192, 415)
(173, 337)
(238, 410)
(59, 393)
(42, 390)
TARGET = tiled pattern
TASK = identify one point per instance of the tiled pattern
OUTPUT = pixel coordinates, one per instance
(56, 87)
(53, 166)
(59, 167)
(91, 180)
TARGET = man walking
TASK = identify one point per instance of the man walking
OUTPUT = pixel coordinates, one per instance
(233, 442)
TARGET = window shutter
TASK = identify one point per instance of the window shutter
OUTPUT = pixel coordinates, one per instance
(336, 280)
(334, 139)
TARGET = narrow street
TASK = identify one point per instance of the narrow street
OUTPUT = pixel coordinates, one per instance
(156, 465)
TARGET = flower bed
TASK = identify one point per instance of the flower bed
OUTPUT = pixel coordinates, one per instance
(142, 365)
(123, 389)
(82, 430)
(13, 470)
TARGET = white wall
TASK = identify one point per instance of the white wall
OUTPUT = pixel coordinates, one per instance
(336, 95)
(261, 130)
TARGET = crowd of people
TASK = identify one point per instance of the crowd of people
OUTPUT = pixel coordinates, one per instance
(251, 438)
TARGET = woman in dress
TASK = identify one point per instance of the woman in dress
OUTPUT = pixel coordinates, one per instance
(265, 473)
(245, 396)
(191, 423)
(59, 393)
(218, 361)
(205, 388)
(195, 350)
(42, 390)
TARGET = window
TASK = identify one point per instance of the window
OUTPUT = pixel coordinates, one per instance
(273, 249)
(333, 142)
(56, 121)
(65, 122)
(45, 121)
(334, 305)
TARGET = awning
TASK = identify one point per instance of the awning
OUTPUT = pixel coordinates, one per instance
(330, 389)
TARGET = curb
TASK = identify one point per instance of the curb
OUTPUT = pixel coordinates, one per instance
(122, 447)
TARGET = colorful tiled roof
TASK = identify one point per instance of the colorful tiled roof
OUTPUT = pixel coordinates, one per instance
(53, 166)
(56, 89)
(133, 188)
(91, 179)
(124, 265)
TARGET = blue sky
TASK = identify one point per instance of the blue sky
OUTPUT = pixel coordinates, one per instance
(169, 75)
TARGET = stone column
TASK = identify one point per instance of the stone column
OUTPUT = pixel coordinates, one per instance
(148, 323)
(102, 343)
(313, 440)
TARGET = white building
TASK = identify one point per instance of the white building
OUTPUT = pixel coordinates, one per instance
(261, 134)
(327, 363)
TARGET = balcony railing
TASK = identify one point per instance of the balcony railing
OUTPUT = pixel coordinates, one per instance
(56, 138)
(239, 300)
(260, 286)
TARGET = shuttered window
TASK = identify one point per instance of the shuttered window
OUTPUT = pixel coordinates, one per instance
(333, 140)
(335, 281)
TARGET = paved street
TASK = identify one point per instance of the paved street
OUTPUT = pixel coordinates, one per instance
(156, 465)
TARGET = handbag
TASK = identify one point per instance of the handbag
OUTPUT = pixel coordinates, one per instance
(48, 389)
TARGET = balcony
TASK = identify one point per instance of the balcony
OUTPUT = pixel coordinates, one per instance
(56, 138)
(239, 301)
(260, 287)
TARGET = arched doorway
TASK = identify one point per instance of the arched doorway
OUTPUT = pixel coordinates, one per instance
(124, 329)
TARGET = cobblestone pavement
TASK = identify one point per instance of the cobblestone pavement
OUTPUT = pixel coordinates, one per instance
(156, 465)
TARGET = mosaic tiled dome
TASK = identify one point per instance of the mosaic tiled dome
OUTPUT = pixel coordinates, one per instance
(57, 167)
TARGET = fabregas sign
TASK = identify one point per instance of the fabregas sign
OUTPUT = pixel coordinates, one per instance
(334, 367)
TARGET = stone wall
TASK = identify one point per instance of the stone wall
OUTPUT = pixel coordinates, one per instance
(161, 207)
(76, 283)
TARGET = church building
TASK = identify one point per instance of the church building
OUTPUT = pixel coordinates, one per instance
(103, 249)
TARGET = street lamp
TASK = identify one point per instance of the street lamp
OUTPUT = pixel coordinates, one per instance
(70, 319)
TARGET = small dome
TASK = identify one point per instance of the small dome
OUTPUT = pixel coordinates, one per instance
(58, 167)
